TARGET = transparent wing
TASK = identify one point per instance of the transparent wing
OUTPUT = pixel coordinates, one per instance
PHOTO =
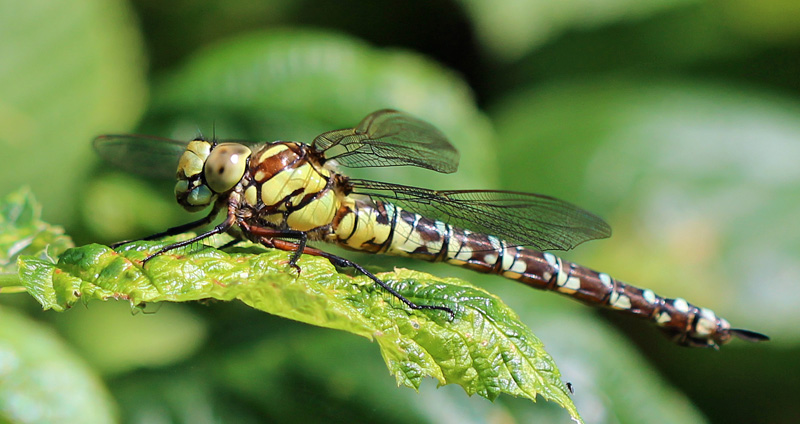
(389, 138)
(144, 155)
(541, 222)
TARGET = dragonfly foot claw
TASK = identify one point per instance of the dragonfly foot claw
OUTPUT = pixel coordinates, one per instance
(295, 267)
(450, 312)
(114, 246)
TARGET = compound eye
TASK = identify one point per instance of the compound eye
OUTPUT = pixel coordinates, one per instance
(225, 166)
(193, 158)
(195, 198)
(200, 197)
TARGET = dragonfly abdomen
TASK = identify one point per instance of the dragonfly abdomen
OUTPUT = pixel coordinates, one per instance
(380, 227)
(683, 322)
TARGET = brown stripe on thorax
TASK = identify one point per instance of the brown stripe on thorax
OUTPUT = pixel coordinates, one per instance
(266, 166)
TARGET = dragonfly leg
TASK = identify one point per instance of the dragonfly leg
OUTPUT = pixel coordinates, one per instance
(270, 234)
(342, 262)
(346, 263)
(219, 229)
(176, 230)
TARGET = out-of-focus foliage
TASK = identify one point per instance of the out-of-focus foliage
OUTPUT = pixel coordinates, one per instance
(68, 68)
(674, 120)
(22, 231)
(43, 381)
(510, 29)
(704, 204)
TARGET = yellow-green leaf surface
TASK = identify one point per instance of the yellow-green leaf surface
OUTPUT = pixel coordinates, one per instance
(22, 232)
(485, 349)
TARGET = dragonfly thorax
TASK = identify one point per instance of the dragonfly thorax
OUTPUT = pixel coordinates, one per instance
(206, 170)
(289, 186)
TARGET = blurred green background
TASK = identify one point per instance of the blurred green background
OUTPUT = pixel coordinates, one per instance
(676, 120)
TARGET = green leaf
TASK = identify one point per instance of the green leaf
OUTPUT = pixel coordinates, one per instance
(22, 232)
(485, 349)
(42, 381)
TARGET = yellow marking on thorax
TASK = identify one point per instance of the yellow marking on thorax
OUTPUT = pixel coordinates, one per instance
(287, 181)
(272, 151)
(275, 218)
(251, 196)
(317, 213)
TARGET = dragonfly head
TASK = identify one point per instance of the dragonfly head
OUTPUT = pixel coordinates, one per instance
(207, 170)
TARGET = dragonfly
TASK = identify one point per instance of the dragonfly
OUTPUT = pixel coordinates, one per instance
(284, 194)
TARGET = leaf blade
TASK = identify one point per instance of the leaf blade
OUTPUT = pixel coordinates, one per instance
(485, 350)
